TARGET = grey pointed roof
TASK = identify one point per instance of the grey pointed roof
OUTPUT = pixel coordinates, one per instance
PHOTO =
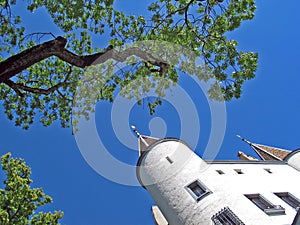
(267, 152)
(270, 153)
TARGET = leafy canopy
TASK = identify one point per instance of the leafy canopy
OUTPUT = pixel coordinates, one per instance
(47, 88)
(18, 201)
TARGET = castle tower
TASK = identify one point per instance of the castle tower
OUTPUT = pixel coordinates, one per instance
(168, 169)
(191, 191)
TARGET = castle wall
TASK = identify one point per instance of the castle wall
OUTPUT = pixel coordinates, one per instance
(170, 166)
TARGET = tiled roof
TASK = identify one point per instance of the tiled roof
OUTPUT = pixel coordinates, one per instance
(270, 153)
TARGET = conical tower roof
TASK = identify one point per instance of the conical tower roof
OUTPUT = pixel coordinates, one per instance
(267, 152)
(144, 141)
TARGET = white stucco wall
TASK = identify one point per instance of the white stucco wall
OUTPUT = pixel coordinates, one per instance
(166, 183)
(230, 188)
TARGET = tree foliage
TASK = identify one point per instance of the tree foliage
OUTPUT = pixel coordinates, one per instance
(46, 85)
(18, 201)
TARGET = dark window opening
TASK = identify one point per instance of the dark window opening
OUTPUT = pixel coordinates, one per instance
(220, 172)
(238, 171)
(169, 160)
(268, 170)
(198, 190)
(265, 205)
(226, 217)
(289, 199)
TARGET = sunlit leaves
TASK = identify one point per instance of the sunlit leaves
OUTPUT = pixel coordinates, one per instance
(11, 31)
(18, 200)
(198, 25)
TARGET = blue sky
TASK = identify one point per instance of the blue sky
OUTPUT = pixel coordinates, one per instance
(268, 113)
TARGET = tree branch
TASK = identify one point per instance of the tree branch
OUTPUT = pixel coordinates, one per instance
(17, 87)
(11, 217)
(12, 85)
(17, 63)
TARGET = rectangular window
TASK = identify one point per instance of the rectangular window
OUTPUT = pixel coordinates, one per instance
(265, 205)
(268, 170)
(220, 172)
(169, 159)
(198, 190)
(226, 217)
(289, 199)
(238, 171)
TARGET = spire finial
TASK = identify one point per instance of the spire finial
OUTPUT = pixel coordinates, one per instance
(135, 130)
(243, 139)
(139, 135)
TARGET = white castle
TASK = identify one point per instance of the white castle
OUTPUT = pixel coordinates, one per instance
(191, 191)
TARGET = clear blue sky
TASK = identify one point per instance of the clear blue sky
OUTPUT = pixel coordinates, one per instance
(268, 113)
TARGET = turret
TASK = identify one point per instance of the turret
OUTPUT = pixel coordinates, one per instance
(168, 168)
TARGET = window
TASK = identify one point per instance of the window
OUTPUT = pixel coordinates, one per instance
(238, 171)
(268, 170)
(226, 216)
(289, 199)
(265, 205)
(169, 159)
(198, 190)
(220, 172)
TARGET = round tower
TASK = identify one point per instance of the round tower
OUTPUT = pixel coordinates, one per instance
(169, 170)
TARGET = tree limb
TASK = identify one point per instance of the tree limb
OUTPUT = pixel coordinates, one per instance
(17, 63)
(17, 87)
(12, 85)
